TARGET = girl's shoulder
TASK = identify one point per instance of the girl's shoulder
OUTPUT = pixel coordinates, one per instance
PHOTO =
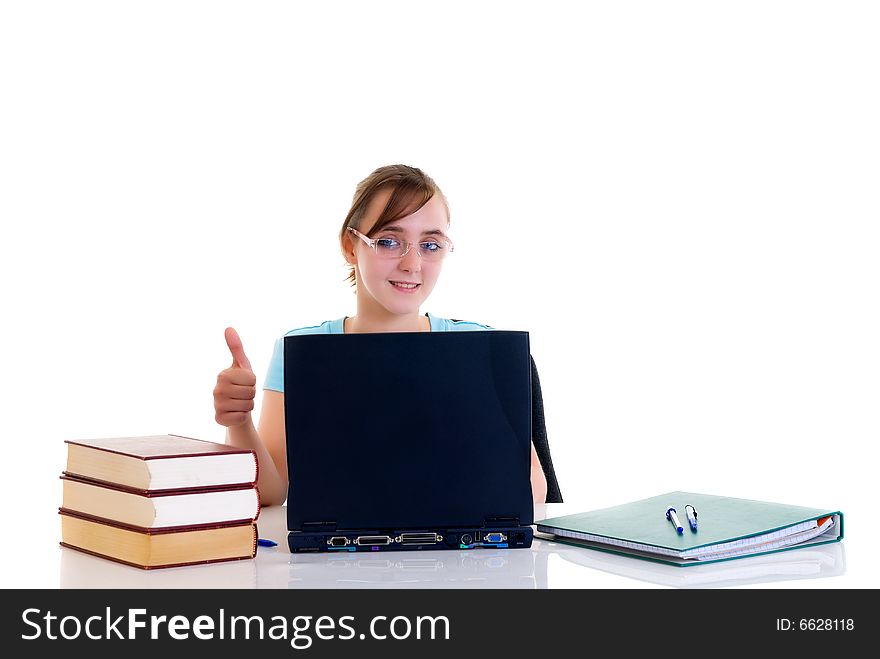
(455, 325)
(327, 327)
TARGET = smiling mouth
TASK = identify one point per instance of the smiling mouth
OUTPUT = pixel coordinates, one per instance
(404, 286)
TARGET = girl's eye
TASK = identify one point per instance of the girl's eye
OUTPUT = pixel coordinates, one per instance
(431, 246)
(387, 243)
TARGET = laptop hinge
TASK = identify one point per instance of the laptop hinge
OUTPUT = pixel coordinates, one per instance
(502, 520)
(316, 527)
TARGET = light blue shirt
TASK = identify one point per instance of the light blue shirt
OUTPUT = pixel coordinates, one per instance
(275, 374)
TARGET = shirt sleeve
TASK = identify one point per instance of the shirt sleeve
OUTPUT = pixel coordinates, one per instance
(275, 373)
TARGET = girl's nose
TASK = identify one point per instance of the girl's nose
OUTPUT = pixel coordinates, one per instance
(412, 260)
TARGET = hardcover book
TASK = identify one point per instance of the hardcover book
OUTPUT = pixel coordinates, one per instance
(158, 548)
(162, 509)
(160, 462)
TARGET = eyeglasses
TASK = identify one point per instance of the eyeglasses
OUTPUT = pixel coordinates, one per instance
(389, 247)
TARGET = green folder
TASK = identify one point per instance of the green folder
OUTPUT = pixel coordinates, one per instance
(727, 528)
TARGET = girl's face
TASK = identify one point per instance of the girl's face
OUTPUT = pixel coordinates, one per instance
(388, 281)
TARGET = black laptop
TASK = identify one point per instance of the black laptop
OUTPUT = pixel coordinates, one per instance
(408, 440)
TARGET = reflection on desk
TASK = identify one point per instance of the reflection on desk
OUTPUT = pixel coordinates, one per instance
(80, 570)
(807, 563)
(477, 568)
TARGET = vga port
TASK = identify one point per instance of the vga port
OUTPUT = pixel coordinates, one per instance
(338, 541)
(494, 537)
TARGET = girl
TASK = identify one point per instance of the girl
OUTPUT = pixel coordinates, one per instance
(394, 240)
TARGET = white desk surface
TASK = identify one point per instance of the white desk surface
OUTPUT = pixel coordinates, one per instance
(545, 565)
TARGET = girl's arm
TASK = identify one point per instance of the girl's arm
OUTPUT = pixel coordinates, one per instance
(270, 445)
(539, 481)
(271, 429)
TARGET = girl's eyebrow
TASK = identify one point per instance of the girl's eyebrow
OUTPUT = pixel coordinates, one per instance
(398, 229)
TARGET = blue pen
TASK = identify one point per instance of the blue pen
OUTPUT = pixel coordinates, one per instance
(266, 543)
(672, 517)
(691, 513)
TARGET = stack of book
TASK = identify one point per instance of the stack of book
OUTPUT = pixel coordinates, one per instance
(160, 500)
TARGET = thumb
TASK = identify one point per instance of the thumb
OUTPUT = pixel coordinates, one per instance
(235, 347)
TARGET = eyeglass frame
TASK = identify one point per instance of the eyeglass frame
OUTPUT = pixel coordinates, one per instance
(372, 243)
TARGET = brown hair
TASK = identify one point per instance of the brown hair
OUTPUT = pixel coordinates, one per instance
(412, 189)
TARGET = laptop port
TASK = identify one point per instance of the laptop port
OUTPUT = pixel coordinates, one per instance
(467, 539)
(494, 537)
(418, 538)
(338, 541)
(373, 540)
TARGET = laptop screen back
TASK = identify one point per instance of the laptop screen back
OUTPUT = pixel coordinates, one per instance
(408, 429)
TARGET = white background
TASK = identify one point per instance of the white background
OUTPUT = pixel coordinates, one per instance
(678, 200)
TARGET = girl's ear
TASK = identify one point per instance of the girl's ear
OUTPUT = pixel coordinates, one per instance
(348, 251)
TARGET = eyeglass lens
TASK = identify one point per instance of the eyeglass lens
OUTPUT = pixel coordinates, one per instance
(392, 248)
